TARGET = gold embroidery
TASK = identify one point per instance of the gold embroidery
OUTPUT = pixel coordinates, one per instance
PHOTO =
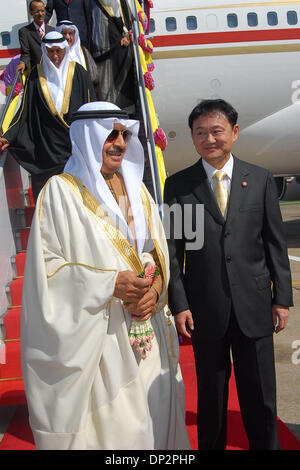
(68, 89)
(160, 255)
(67, 92)
(109, 10)
(114, 234)
(79, 264)
(83, 59)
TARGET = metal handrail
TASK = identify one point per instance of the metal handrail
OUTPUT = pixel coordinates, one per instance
(146, 113)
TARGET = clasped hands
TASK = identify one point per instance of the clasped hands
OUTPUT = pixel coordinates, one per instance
(138, 292)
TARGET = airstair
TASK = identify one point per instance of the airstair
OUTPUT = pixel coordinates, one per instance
(17, 208)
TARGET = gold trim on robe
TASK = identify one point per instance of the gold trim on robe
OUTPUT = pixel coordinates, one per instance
(114, 234)
(110, 12)
(67, 92)
(78, 264)
(160, 255)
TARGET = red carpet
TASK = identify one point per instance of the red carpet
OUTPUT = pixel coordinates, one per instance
(236, 436)
(19, 435)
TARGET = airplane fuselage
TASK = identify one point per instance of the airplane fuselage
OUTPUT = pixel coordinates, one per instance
(246, 53)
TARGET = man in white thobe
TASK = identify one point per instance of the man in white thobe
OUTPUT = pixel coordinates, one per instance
(87, 387)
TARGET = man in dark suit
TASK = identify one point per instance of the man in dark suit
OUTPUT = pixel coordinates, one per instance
(30, 36)
(73, 10)
(236, 290)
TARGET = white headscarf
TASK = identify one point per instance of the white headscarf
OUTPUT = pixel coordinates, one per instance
(56, 77)
(88, 137)
(75, 50)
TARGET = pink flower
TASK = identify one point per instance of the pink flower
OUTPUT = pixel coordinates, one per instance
(149, 82)
(150, 67)
(142, 41)
(148, 46)
(160, 138)
(145, 44)
(143, 19)
(150, 272)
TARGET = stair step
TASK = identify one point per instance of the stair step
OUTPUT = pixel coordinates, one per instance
(15, 197)
(22, 238)
(12, 322)
(15, 289)
(29, 211)
(23, 216)
(11, 369)
(20, 259)
(12, 392)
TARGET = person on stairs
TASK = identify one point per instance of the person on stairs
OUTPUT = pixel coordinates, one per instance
(38, 137)
(79, 53)
(30, 36)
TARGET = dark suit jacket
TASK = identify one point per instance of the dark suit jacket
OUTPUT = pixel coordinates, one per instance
(240, 256)
(75, 11)
(30, 43)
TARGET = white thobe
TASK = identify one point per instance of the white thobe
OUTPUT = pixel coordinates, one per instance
(86, 387)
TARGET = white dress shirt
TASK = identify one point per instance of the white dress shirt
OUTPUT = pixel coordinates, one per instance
(40, 29)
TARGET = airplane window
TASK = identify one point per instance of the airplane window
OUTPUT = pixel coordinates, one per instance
(272, 18)
(152, 25)
(171, 23)
(252, 19)
(6, 40)
(232, 20)
(191, 22)
(292, 17)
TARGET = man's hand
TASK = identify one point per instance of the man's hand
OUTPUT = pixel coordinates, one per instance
(125, 41)
(184, 323)
(3, 144)
(280, 317)
(131, 288)
(144, 308)
(20, 67)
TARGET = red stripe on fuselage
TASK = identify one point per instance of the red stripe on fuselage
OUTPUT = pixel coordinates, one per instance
(8, 53)
(225, 37)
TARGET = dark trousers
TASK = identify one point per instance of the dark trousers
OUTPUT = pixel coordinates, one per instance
(254, 369)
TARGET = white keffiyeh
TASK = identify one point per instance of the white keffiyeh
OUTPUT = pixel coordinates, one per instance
(88, 137)
(56, 77)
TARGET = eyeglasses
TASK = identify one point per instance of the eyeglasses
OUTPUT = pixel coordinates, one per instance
(115, 134)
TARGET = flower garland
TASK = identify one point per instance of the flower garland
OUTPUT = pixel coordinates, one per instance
(143, 19)
(146, 45)
(141, 333)
(149, 81)
(160, 138)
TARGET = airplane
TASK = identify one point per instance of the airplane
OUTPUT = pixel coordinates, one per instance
(246, 52)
